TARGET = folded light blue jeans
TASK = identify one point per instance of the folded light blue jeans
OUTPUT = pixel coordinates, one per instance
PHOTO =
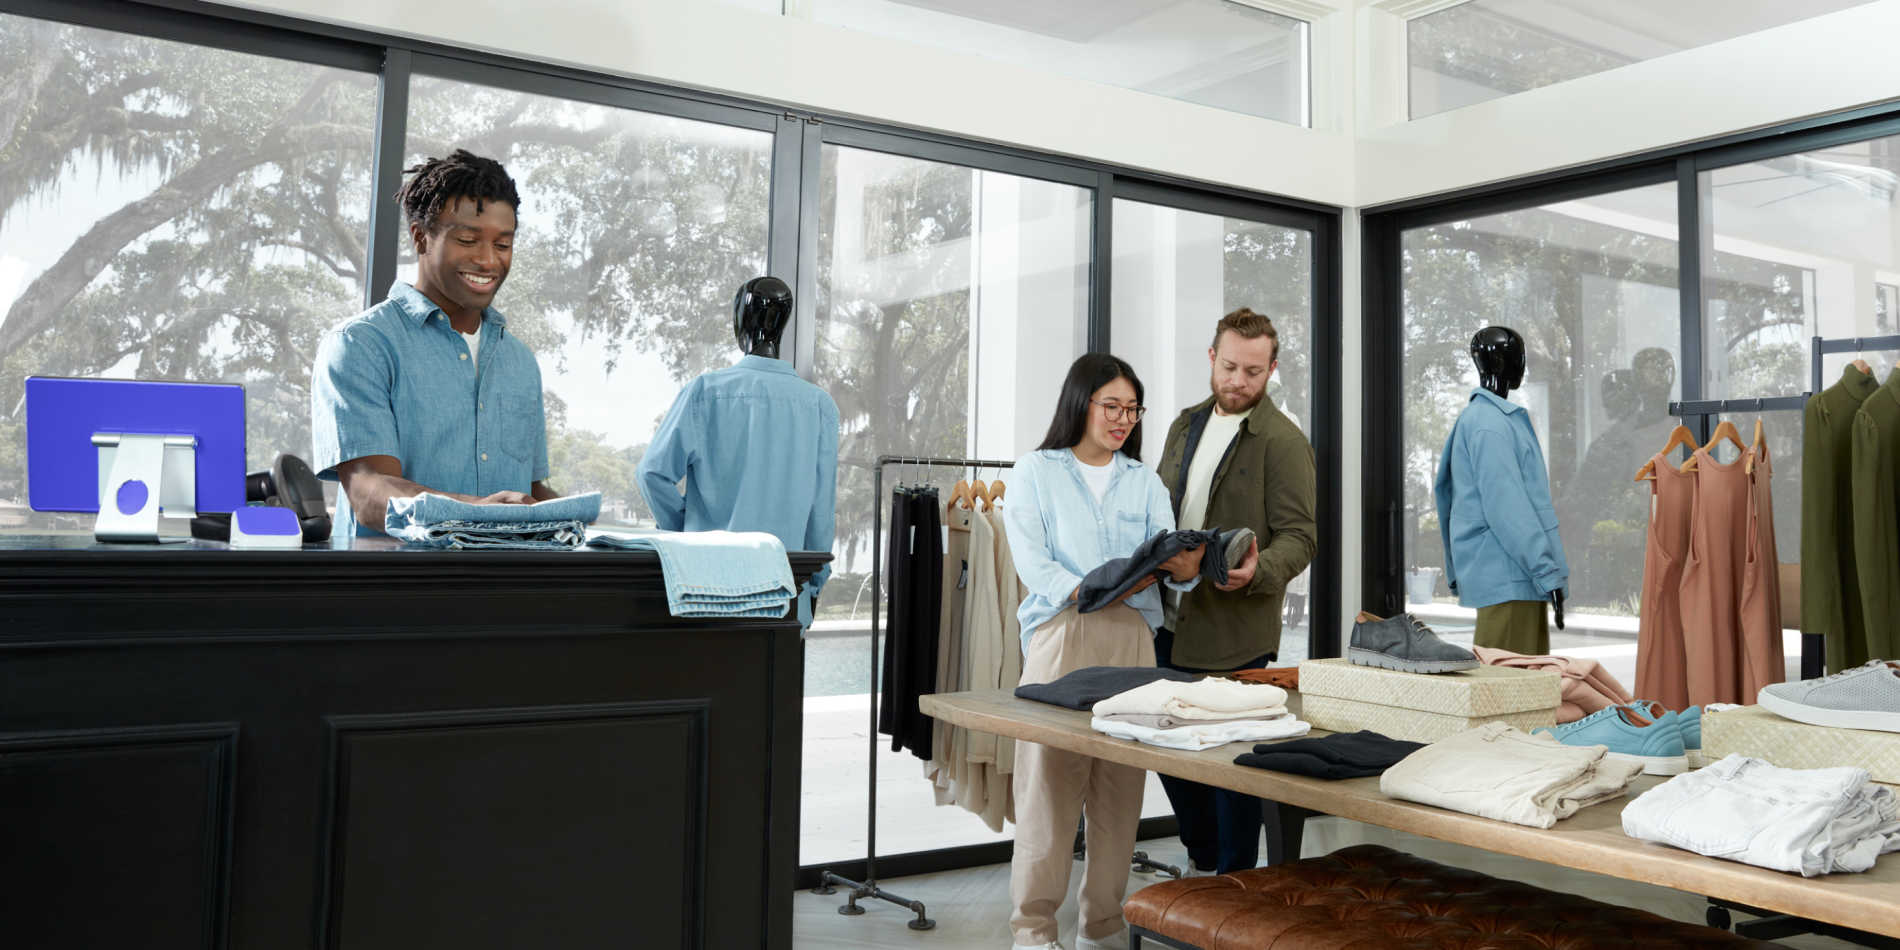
(558, 524)
(715, 573)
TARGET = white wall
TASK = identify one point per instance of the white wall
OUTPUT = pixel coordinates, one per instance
(833, 70)
(1814, 67)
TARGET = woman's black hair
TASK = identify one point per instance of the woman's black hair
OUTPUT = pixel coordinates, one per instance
(1088, 373)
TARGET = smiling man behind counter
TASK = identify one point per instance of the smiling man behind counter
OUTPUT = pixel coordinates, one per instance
(427, 391)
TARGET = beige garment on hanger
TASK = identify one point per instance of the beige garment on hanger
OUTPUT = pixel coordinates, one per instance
(951, 631)
(1662, 671)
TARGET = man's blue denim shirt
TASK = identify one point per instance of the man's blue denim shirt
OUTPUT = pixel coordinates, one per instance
(398, 380)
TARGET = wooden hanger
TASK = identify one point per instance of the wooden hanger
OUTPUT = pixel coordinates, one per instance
(996, 493)
(1759, 448)
(1863, 367)
(980, 491)
(1680, 437)
(1723, 430)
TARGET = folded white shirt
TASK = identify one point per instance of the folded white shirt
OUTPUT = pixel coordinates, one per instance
(1207, 735)
(1208, 698)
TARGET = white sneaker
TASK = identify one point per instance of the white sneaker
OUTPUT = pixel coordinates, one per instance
(1115, 941)
(1038, 946)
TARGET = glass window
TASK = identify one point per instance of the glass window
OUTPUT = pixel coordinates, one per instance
(1592, 285)
(1214, 52)
(173, 211)
(949, 304)
(1484, 49)
(1803, 246)
(635, 232)
(1176, 273)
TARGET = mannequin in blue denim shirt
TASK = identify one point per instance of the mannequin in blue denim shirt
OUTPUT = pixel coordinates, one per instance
(1503, 554)
(751, 447)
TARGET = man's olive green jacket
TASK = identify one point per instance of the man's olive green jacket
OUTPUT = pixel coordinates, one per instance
(1264, 482)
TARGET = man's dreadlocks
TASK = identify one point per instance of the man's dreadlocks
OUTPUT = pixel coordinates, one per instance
(439, 181)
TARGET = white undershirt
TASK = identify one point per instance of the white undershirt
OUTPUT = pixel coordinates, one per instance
(1096, 476)
(1216, 436)
(1199, 483)
(474, 347)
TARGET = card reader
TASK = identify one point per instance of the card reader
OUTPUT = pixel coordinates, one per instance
(265, 526)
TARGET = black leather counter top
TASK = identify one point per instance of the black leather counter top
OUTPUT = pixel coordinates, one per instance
(373, 745)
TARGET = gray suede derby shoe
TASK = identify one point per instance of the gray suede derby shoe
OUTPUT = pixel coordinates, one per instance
(1403, 643)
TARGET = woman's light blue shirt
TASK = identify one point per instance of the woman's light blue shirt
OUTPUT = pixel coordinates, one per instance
(1058, 532)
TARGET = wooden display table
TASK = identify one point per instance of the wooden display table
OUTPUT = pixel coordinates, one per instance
(1592, 840)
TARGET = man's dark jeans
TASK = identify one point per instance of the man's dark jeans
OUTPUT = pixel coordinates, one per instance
(1221, 829)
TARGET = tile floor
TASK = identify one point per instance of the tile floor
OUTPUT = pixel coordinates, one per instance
(971, 906)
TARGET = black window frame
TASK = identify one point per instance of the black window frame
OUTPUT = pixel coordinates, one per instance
(1382, 554)
(799, 134)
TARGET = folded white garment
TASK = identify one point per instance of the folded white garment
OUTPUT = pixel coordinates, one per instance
(1208, 698)
(1495, 771)
(1169, 722)
(1204, 735)
(1810, 821)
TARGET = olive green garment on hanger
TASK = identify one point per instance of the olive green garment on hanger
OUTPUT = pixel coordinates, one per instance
(1830, 587)
(1520, 626)
(1875, 463)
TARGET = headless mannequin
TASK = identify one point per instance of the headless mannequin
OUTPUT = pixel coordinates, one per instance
(760, 311)
(1498, 352)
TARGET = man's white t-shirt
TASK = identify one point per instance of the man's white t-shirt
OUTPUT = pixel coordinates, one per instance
(474, 346)
(1199, 484)
(1096, 476)
(1218, 434)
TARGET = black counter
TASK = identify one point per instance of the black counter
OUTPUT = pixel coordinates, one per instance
(373, 745)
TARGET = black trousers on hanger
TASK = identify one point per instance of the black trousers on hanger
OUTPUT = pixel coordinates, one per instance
(897, 593)
(916, 599)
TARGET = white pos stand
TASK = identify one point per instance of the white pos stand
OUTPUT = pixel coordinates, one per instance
(139, 475)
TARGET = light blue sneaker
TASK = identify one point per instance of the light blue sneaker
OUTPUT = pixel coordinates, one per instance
(1687, 721)
(1630, 736)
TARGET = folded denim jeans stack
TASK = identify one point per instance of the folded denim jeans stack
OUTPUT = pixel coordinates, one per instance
(438, 521)
(1809, 821)
(1117, 576)
(1495, 771)
(1197, 715)
(715, 573)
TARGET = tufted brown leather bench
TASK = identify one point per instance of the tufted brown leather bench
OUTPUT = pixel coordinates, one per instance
(1374, 898)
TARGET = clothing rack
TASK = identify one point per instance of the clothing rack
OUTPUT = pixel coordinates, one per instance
(868, 887)
(1813, 645)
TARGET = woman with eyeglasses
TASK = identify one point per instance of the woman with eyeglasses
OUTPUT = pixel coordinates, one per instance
(1081, 499)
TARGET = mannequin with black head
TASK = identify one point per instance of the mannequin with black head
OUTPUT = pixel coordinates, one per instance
(752, 446)
(1498, 353)
(760, 311)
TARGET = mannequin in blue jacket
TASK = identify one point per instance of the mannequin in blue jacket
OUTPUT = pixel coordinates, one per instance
(1503, 554)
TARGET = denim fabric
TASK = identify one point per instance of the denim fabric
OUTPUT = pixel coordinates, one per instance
(1809, 821)
(1102, 585)
(397, 380)
(558, 524)
(715, 573)
(757, 448)
(1058, 532)
(1494, 512)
